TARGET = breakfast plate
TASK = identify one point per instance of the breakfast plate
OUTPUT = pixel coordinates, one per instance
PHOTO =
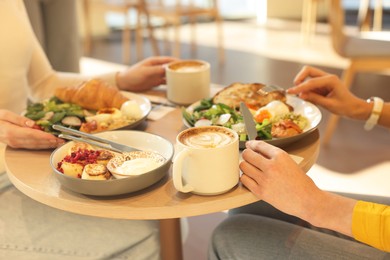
(75, 112)
(300, 106)
(137, 139)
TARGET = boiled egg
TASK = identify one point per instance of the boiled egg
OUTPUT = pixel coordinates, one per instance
(131, 109)
(271, 110)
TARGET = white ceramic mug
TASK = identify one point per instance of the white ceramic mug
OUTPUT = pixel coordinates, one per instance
(187, 81)
(206, 160)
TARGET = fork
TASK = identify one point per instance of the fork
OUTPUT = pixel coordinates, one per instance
(78, 136)
(270, 88)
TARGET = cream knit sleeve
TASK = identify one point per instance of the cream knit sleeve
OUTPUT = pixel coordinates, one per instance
(42, 79)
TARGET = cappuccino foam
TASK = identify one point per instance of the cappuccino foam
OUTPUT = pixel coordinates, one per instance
(188, 66)
(206, 137)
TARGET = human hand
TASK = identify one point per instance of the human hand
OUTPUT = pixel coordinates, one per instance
(144, 75)
(21, 132)
(273, 176)
(328, 91)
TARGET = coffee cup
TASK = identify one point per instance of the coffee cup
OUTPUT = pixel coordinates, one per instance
(187, 81)
(206, 160)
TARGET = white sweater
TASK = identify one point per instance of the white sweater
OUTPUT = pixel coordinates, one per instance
(25, 72)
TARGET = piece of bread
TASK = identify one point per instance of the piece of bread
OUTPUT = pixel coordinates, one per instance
(248, 93)
(94, 94)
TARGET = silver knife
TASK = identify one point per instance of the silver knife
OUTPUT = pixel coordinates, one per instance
(250, 124)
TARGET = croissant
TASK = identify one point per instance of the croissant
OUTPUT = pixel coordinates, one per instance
(94, 94)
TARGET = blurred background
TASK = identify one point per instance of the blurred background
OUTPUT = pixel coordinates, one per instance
(256, 41)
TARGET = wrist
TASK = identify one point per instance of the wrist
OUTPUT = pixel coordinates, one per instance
(361, 110)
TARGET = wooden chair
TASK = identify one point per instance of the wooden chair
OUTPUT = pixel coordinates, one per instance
(122, 6)
(366, 53)
(365, 15)
(173, 15)
(309, 19)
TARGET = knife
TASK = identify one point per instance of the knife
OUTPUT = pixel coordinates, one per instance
(250, 125)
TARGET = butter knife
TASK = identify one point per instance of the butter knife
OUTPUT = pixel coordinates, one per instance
(250, 125)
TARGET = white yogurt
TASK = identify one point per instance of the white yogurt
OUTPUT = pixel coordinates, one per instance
(137, 166)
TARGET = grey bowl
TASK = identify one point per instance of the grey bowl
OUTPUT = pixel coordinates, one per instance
(137, 139)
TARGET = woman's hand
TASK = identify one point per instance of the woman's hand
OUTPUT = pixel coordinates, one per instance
(273, 176)
(144, 75)
(328, 91)
(20, 132)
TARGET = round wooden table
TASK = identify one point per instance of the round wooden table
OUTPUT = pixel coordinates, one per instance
(31, 173)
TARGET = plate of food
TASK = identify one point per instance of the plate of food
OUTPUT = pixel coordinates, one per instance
(281, 119)
(92, 107)
(90, 170)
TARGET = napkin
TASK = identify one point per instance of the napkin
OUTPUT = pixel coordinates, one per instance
(296, 158)
(160, 110)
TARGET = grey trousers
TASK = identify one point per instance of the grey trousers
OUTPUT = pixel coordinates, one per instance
(33, 231)
(259, 231)
(55, 24)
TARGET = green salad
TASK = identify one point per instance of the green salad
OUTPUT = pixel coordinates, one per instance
(54, 111)
(208, 113)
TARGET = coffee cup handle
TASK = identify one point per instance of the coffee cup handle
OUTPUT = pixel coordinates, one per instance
(177, 172)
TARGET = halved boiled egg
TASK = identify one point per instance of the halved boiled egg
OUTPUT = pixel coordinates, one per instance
(271, 110)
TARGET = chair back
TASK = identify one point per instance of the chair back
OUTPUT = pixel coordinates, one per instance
(337, 21)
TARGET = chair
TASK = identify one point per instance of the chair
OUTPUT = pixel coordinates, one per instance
(124, 7)
(366, 53)
(364, 15)
(173, 15)
(309, 19)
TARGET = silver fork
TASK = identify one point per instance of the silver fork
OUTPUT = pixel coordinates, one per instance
(78, 136)
(270, 88)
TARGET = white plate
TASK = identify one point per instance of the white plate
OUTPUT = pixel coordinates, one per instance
(144, 104)
(302, 107)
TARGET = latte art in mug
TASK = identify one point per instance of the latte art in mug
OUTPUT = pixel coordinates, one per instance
(206, 138)
(206, 160)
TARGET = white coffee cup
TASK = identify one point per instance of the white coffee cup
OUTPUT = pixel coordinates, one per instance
(187, 81)
(206, 160)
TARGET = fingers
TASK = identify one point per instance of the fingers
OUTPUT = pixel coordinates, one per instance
(308, 71)
(263, 148)
(160, 60)
(321, 85)
(251, 177)
(16, 119)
